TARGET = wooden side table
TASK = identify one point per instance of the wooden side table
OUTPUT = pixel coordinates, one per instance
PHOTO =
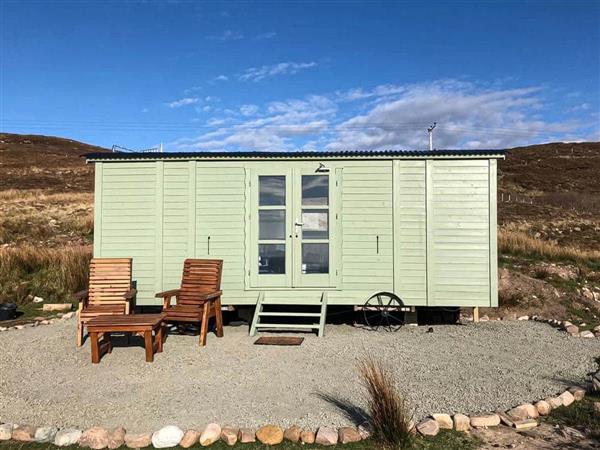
(151, 325)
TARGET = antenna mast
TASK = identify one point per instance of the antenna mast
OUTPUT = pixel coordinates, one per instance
(430, 131)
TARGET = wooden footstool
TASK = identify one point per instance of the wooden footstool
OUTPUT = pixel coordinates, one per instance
(151, 325)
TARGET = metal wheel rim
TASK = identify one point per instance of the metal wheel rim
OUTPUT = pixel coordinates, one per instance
(382, 311)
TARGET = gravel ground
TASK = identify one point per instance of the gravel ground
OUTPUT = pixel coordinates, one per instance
(46, 380)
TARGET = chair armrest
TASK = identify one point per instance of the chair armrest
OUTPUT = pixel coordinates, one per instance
(170, 293)
(211, 296)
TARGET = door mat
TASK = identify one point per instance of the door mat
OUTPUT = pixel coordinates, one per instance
(279, 340)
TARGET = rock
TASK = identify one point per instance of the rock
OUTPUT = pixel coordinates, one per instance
(567, 398)
(444, 421)
(23, 433)
(67, 436)
(190, 437)
(270, 434)
(587, 334)
(168, 436)
(229, 435)
(292, 433)
(139, 440)
(573, 330)
(57, 307)
(523, 318)
(554, 402)
(210, 435)
(523, 412)
(94, 438)
(307, 436)
(597, 407)
(526, 424)
(485, 420)
(597, 329)
(116, 437)
(587, 293)
(68, 315)
(428, 427)
(461, 422)
(246, 435)
(578, 392)
(543, 408)
(5, 431)
(364, 429)
(326, 436)
(45, 434)
(348, 434)
(37, 300)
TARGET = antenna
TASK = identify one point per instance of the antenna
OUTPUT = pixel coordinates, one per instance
(430, 131)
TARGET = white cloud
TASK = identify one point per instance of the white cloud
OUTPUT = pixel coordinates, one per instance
(469, 115)
(183, 102)
(222, 78)
(267, 35)
(211, 98)
(227, 35)
(284, 68)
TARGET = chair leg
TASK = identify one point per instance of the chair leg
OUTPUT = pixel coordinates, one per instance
(204, 324)
(219, 317)
(79, 333)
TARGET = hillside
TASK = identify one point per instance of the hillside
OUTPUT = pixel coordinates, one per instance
(44, 162)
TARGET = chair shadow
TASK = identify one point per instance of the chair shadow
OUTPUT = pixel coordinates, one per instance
(354, 413)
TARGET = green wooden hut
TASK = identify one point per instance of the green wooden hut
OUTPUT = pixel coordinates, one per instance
(306, 228)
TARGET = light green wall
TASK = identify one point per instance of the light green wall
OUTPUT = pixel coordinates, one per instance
(415, 227)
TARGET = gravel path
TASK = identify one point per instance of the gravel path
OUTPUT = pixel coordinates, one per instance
(45, 379)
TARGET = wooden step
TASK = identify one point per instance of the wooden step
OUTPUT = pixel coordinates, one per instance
(288, 314)
(311, 326)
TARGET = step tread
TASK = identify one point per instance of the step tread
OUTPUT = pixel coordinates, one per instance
(286, 325)
(288, 314)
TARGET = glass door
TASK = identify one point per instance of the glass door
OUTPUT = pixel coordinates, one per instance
(272, 225)
(312, 219)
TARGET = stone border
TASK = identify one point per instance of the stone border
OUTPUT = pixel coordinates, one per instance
(40, 321)
(566, 326)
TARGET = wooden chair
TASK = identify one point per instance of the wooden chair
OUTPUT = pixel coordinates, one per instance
(199, 297)
(109, 292)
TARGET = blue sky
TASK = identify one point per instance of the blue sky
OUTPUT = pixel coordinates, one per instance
(301, 75)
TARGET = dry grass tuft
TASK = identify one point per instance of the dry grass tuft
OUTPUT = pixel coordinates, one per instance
(54, 274)
(390, 414)
(519, 242)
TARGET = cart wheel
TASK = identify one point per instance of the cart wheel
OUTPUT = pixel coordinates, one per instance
(384, 310)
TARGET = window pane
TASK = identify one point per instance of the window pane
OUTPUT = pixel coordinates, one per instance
(315, 190)
(271, 258)
(271, 190)
(315, 258)
(271, 224)
(315, 224)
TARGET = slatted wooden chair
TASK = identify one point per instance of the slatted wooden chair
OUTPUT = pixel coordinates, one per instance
(109, 292)
(199, 297)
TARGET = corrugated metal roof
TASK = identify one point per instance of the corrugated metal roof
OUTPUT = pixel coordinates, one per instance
(358, 154)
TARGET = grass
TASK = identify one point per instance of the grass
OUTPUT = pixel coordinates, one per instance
(54, 274)
(520, 243)
(390, 416)
(445, 440)
(580, 415)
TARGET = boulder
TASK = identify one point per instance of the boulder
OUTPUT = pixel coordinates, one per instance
(190, 437)
(246, 435)
(578, 392)
(45, 434)
(94, 438)
(138, 440)
(543, 408)
(23, 433)
(210, 435)
(292, 433)
(5, 431)
(573, 330)
(67, 436)
(348, 434)
(444, 421)
(57, 307)
(587, 334)
(166, 437)
(307, 436)
(567, 398)
(461, 422)
(523, 318)
(428, 427)
(326, 436)
(270, 434)
(116, 437)
(229, 435)
(523, 412)
(554, 402)
(485, 420)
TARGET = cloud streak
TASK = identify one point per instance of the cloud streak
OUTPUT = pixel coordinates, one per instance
(183, 102)
(284, 68)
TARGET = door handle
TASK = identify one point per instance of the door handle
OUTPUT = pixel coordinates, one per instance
(299, 224)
